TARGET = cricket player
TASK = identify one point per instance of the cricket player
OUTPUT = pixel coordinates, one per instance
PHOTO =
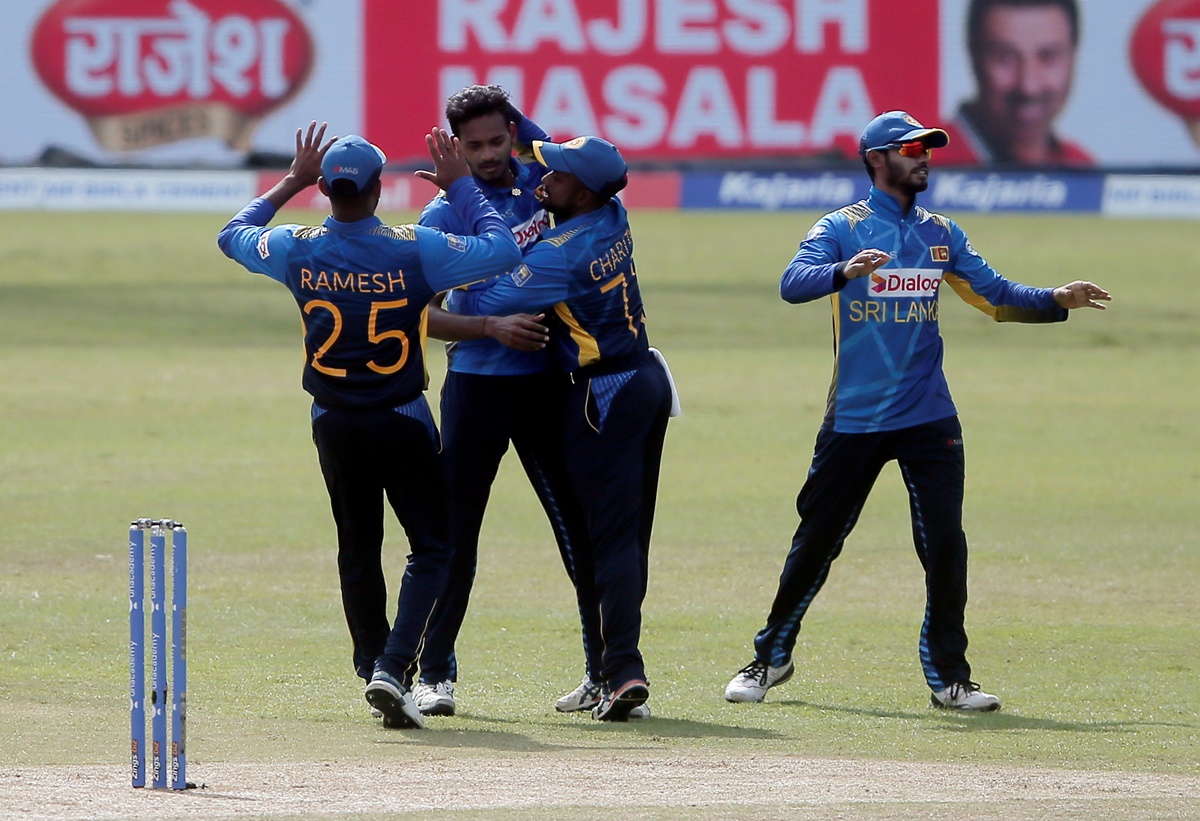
(362, 288)
(501, 387)
(581, 273)
(881, 262)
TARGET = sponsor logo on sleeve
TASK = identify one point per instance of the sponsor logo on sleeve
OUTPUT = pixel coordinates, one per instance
(521, 275)
(456, 242)
(145, 74)
(264, 250)
(905, 282)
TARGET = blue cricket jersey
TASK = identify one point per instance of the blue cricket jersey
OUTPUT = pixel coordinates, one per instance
(363, 288)
(887, 348)
(582, 273)
(518, 207)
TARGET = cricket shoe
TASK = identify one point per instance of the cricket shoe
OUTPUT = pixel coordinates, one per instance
(390, 697)
(587, 695)
(752, 681)
(618, 704)
(965, 696)
(435, 699)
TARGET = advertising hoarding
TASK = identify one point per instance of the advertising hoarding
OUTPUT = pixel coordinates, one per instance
(223, 82)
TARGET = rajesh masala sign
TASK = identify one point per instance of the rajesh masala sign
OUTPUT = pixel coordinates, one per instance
(667, 79)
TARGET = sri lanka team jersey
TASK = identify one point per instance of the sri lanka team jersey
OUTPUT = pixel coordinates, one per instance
(363, 287)
(527, 218)
(517, 206)
(887, 349)
(582, 274)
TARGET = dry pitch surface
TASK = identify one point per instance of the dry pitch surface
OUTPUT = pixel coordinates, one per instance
(595, 785)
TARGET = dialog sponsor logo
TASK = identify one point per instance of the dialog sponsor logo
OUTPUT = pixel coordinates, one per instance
(151, 72)
(904, 282)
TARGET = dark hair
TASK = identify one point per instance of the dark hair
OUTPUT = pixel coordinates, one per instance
(477, 101)
(345, 192)
(979, 8)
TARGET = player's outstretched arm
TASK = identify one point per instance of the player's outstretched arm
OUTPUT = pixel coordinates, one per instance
(1081, 294)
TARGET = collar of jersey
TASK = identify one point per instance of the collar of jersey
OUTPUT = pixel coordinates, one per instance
(884, 203)
(352, 227)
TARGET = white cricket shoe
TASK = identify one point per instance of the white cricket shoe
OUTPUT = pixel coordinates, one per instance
(435, 699)
(584, 697)
(587, 695)
(752, 681)
(964, 695)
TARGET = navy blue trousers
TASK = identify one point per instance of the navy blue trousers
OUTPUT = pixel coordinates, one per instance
(844, 469)
(480, 416)
(366, 456)
(616, 425)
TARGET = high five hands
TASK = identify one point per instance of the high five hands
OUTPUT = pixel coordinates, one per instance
(448, 161)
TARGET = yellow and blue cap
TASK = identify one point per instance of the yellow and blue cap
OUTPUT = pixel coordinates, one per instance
(894, 127)
(595, 162)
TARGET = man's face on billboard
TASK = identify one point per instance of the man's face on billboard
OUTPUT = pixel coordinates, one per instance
(1024, 63)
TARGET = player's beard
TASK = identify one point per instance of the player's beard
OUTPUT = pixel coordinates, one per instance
(907, 179)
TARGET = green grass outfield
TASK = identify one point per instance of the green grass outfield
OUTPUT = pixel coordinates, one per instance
(147, 375)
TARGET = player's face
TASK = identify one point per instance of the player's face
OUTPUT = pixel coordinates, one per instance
(1025, 63)
(561, 194)
(906, 175)
(487, 144)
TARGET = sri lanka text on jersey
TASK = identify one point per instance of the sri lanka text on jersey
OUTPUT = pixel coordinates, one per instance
(874, 310)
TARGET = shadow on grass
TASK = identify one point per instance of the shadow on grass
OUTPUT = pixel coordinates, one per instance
(600, 735)
(993, 722)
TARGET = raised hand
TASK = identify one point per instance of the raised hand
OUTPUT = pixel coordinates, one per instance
(306, 166)
(448, 161)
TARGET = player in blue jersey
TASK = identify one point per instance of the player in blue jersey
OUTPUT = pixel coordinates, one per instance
(362, 288)
(500, 388)
(581, 274)
(881, 262)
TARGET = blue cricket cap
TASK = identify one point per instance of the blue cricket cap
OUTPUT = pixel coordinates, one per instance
(595, 162)
(352, 158)
(893, 127)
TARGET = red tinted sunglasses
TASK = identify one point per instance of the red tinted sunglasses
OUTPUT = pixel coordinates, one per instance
(916, 148)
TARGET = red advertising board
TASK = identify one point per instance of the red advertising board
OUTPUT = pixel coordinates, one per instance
(145, 72)
(663, 79)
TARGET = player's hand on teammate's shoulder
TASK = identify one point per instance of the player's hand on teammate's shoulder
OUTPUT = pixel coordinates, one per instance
(449, 164)
(1081, 294)
(865, 262)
